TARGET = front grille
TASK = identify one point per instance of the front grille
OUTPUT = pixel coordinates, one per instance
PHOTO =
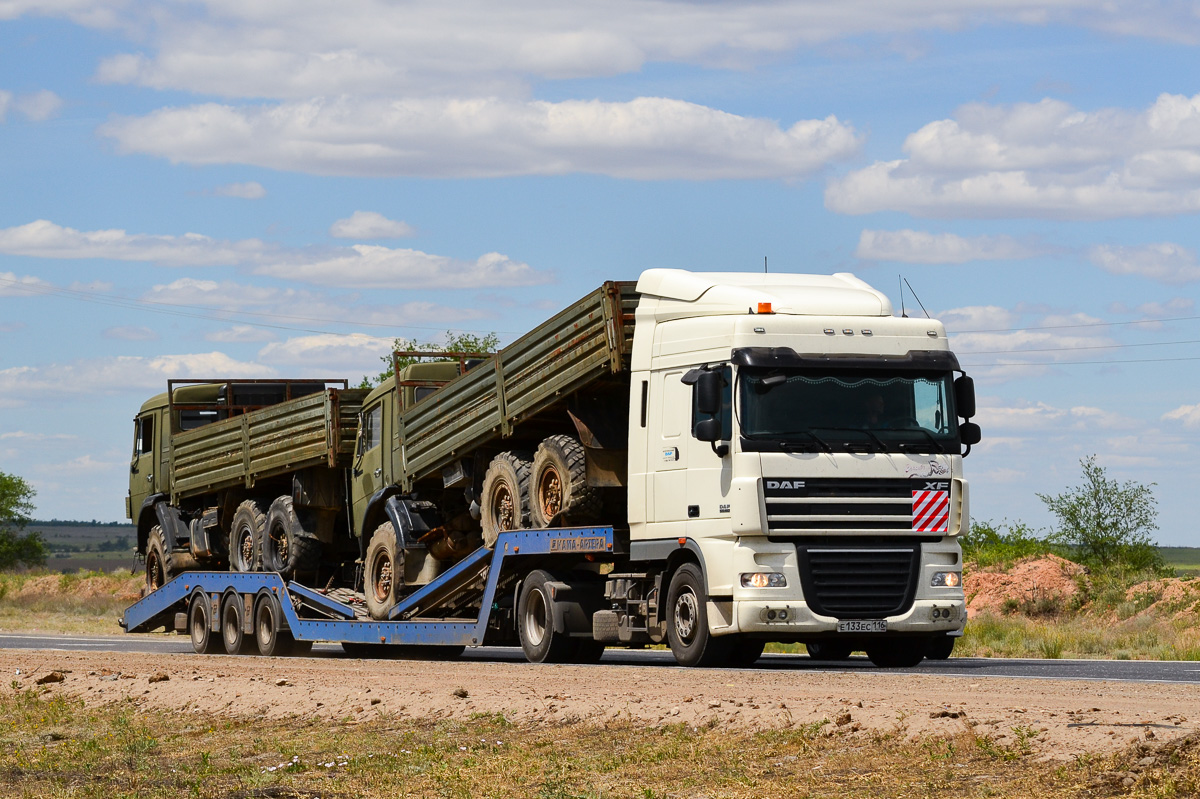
(835, 505)
(867, 582)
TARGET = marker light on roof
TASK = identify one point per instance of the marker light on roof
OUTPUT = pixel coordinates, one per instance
(765, 307)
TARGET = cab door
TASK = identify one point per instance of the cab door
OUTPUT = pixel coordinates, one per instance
(370, 461)
(142, 465)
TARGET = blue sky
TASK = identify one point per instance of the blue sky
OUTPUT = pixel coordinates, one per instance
(213, 189)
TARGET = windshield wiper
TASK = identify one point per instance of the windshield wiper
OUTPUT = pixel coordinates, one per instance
(928, 435)
(776, 438)
(865, 432)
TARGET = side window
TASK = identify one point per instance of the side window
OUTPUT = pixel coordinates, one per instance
(372, 426)
(726, 413)
(143, 435)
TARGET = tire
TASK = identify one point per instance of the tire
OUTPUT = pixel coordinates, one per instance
(200, 625)
(558, 484)
(535, 622)
(829, 650)
(745, 652)
(897, 654)
(383, 574)
(505, 500)
(587, 651)
(288, 548)
(687, 621)
(163, 565)
(233, 611)
(246, 536)
(270, 639)
(940, 647)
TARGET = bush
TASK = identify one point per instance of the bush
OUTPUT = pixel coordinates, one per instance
(988, 544)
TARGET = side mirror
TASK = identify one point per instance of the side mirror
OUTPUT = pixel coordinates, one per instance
(708, 385)
(708, 429)
(969, 433)
(964, 396)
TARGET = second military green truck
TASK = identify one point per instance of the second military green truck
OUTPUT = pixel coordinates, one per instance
(767, 458)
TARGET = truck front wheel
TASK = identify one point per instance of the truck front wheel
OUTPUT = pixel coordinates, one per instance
(687, 626)
(384, 573)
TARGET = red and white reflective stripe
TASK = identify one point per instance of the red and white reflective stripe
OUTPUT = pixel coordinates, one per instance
(931, 511)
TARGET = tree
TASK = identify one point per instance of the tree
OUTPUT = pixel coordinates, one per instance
(1107, 524)
(16, 505)
(455, 342)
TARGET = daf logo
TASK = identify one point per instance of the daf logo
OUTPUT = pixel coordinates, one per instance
(785, 484)
(937, 485)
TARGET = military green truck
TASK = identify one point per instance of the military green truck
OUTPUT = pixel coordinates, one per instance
(706, 460)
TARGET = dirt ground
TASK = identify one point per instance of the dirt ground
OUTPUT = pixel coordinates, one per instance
(1056, 720)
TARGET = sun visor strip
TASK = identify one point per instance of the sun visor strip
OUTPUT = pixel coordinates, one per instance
(787, 358)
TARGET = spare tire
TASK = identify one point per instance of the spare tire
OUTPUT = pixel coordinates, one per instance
(505, 500)
(288, 546)
(558, 484)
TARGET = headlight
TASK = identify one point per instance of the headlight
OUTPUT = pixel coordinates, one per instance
(764, 580)
(947, 579)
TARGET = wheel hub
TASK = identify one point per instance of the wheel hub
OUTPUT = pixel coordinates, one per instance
(687, 612)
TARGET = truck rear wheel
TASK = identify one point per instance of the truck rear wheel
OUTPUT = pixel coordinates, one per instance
(246, 536)
(505, 501)
(558, 484)
(288, 548)
(384, 572)
(535, 622)
(199, 620)
(687, 623)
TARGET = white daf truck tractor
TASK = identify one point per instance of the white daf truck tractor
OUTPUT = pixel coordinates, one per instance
(711, 461)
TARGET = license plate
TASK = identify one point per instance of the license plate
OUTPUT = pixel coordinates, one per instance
(862, 626)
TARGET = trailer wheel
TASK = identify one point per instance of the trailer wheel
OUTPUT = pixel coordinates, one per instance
(270, 638)
(233, 608)
(897, 653)
(535, 622)
(828, 650)
(558, 484)
(246, 536)
(384, 572)
(288, 548)
(505, 500)
(687, 625)
(200, 624)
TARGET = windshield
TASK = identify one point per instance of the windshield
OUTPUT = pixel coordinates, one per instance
(842, 410)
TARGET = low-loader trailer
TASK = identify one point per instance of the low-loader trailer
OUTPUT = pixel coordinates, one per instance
(706, 460)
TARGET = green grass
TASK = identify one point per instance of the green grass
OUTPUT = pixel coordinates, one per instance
(52, 747)
(1184, 560)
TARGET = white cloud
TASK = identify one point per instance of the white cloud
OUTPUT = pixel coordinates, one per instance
(338, 355)
(38, 106)
(1044, 159)
(13, 285)
(1034, 418)
(21, 384)
(369, 266)
(246, 191)
(915, 246)
(1187, 415)
(1165, 262)
(5, 100)
(130, 333)
(370, 225)
(359, 266)
(240, 334)
(650, 138)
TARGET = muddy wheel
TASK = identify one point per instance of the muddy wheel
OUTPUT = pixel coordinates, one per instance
(199, 620)
(828, 650)
(558, 484)
(505, 501)
(233, 608)
(535, 622)
(384, 573)
(269, 635)
(246, 536)
(290, 548)
(687, 622)
(157, 570)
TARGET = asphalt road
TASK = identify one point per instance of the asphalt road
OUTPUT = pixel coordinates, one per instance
(1141, 671)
